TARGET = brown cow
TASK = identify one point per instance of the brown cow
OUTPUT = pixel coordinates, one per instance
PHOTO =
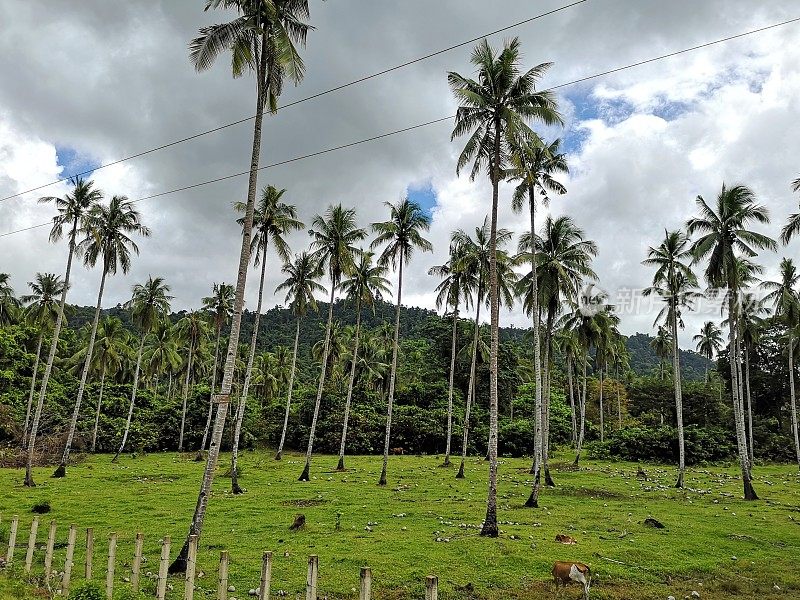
(565, 573)
(397, 451)
(565, 539)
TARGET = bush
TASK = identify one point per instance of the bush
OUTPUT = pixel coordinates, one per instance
(88, 591)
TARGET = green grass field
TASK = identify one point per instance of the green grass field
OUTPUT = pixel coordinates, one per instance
(426, 522)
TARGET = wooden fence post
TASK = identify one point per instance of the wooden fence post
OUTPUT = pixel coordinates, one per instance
(161, 589)
(365, 592)
(48, 554)
(266, 576)
(311, 580)
(73, 532)
(191, 560)
(137, 563)
(222, 580)
(12, 539)
(431, 587)
(89, 553)
(31, 544)
(112, 556)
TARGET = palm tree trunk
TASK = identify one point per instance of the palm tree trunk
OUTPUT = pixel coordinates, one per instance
(304, 476)
(792, 398)
(50, 358)
(619, 398)
(602, 412)
(133, 399)
(33, 389)
(450, 388)
(99, 404)
(340, 466)
(750, 447)
(570, 385)
(213, 388)
(61, 471)
(582, 407)
(393, 373)
(185, 394)
(279, 453)
(548, 351)
(471, 385)
(676, 375)
(248, 375)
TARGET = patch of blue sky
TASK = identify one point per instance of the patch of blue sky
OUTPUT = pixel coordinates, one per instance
(73, 162)
(424, 195)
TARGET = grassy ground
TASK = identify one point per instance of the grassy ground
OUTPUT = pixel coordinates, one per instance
(426, 522)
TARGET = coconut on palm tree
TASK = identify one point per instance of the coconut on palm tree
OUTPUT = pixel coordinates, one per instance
(108, 230)
(72, 210)
(300, 286)
(402, 234)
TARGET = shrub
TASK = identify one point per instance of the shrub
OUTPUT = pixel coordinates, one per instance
(88, 591)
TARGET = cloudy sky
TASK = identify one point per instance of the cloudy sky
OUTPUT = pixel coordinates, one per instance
(87, 83)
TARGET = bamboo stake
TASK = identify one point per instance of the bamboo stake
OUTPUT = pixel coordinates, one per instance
(365, 592)
(137, 563)
(48, 554)
(311, 579)
(266, 575)
(191, 560)
(73, 532)
(31, 544)
(112, 556)
(89, 553)
(12, 539)
(431, 587)
(222, 583)
(161, 589)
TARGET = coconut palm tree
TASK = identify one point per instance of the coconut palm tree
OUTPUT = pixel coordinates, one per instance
(42, 313)
(709, 341)
(149, 305)
(566, 343)
(724, 233)
(192, 333)
(493, 110)
(112, 350)
(72, 210)
(108, 238)
(675, 283)
(261, 39)
(662, 346)
(454, 287)
(9, 303)
(333, 240)
(366, 284)
(220, 305)
(752, 324)
(161, 353)
(272, 220)
(786, 302)
(402, 234)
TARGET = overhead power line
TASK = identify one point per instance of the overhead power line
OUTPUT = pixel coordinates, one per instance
(427, 123)
(301, 100)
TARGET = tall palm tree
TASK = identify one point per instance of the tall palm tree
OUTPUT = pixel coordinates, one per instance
(567, 344)
(261, 39)
(455, 286)
(112, 350)
(300, 286)
(42, 313)
(108, 230)
(149, 305)
(402, 234)
(752, 323)
(662, 346)
(72, 210)
(272, 220)
(674, 282)
(333, 246)
(192, 332)
(786, 302)
(9, 303)
(724, 234)
(493, 110)
(366, 284)
(220, 305)
(708, 341)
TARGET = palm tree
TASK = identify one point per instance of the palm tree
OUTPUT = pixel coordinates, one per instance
(220, 305)
(9, 303)
(333, 248)
(662, 346)
(723, 234)
(192, 332)
(792, 226)
(493, 110)
(42, 312)
(161, 353)
(674, 282)
(261, 39)
(149, 305)
(402, 234)
(108, 230)
(786, 302)
(567, 344)
(272, 220)
(708, 341)
(72, 210)
(112, 349)
(753, 310)
(455, 286)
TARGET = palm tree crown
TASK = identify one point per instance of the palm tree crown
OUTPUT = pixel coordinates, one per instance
(301, 283)
(107, 231)
(402, 233)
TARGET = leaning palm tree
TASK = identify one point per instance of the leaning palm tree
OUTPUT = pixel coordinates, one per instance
(272, 220)
(261, 39)
(192, 332)
(786, 302)
(333, 242)
(674, 282)
(454, 288)
(402, 234)
(9, 303)
(724, 234)
(366, 284)
(149, 305)
(42, 313)
(112, 350)
(493, 110)
(300, 286)
(108, 230)
(72, 210)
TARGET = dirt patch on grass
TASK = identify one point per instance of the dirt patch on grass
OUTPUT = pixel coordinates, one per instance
(304, 502)
(584, 492)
